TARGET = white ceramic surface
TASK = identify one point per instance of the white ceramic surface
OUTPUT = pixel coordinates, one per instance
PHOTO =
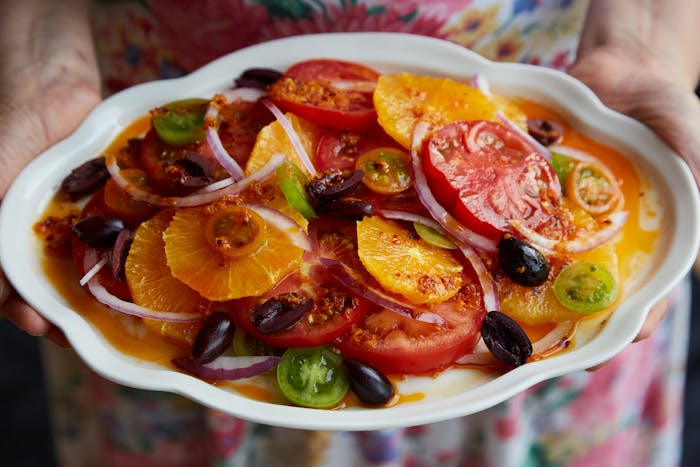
(456, 392)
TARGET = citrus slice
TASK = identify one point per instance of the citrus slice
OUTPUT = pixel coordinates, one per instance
(272, 139)
(152, 286)
(228, 253)
(404, 99)
(403, 264)
(539, 305)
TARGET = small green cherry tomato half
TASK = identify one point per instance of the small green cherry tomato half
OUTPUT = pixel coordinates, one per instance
(293, 182)
(180, 122)
(313, 376)
(562, 165)
(387, 170)
(586, 287)
(433, 237)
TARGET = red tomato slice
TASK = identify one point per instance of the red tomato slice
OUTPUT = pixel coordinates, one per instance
(397, 344)
(317, 90)
(239, 124)
(339, 149)
(489, 175)
(335, 311)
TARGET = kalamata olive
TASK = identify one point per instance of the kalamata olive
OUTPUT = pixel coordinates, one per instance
(369, 384)
(522, 263)
(98, 230)
(215, 336)
(191, 171)
(505, 339)
(332, 186)
(280, 312)
(257, 78)
(86, 178)
(346, 207)
(119, 253)
(547, 132)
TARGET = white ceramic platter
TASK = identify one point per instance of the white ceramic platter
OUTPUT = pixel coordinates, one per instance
(454, 393)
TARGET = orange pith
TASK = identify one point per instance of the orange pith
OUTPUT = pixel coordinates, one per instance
(403, 264)
(404, 99)
(152, 286)
(192, 259)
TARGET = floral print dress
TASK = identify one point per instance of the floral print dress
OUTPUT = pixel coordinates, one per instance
(627, 413)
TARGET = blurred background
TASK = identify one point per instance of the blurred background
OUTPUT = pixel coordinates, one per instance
(25, 437)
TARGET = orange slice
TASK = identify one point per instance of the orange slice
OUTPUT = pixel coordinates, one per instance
(272, 140)
(403, 264)
(152, 286)
(404, 99)
(228, 253)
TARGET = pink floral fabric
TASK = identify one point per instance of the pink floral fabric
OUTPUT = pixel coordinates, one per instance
(627, 413)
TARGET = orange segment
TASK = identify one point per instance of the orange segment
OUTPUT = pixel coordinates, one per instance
(403, 264)
(152, 286)
(404, 99)
(195, 261)
(272, 140)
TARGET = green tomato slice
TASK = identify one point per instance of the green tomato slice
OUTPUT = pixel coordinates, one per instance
(246, 345)
(180, 122)
(292, 182)
(313, 376)
(562, 165)
(433, 237)
(586, 287)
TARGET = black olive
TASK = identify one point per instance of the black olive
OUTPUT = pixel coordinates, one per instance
(280, 312)
(369, 384)
(86, 178)
(191, 171)
(120, 251)
(98, 230)
(332, 186)
(547, 132)
(257, 78)
(521, 262)
(215, 336)
(351, 208)
(505, 339)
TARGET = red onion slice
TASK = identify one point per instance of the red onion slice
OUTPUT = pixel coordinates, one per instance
(573, 153)
(348, 277)
(211, 126)
(611, 226)
(486, 281)
(449, 223)
(525, 135)
(284, 223)
(227, 368)
(93, 270)
(354, 85)
(479, 82)
(198, 198)
(292, 135)
(554, 340)
(411, 217)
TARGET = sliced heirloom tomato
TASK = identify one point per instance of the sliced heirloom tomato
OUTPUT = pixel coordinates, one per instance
(339, 149)
(328, 92)
(334, 311)
(397, 344)
(487, 176)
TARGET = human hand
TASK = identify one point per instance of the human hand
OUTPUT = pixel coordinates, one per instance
(667, 104)
(48, 82)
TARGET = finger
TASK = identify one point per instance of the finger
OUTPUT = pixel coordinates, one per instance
(5, 289)
(24, 317)
(56, 336)
(656, 314)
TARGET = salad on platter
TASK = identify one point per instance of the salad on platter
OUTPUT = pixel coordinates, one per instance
(313, 235)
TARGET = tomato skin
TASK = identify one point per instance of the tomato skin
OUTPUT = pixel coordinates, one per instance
(487, 175)
(296, 92)
(396, 344)
(339, 149)
(303, 333)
